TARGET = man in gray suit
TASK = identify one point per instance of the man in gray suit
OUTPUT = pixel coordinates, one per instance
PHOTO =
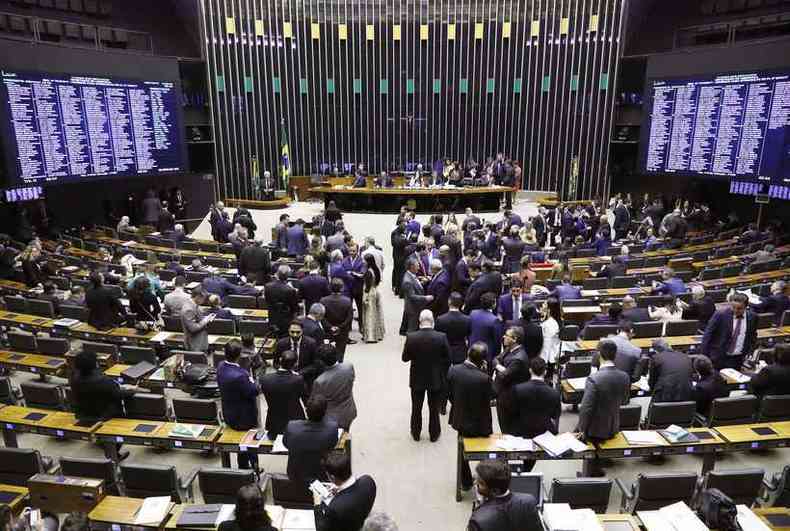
(194, 323)
(414, 298)
(670, 374)
(336, 383)
(605, 392)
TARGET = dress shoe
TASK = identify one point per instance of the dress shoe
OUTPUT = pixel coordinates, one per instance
(443, 410)
(434, 439)
(415, 436)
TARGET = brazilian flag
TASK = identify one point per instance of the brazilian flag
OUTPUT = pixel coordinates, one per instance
(285, 156)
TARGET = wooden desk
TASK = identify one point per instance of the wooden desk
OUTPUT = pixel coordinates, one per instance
(765, 513)
(587, 345)
(744, 436)
(618, 446)
(481, 448)
(15, 288)
(26, 321)
(229, 442)
(150, 433)
(35, 363)
(18, 503)
(276, 514)
(117, 510)
(661, 252)
(580, 314)
(739, 280)
(614, 292)
(167, 250)
(60, 424)
(616, 520)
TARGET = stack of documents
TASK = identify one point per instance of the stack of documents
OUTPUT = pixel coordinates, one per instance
(642, 384)
(675, 434)
(732, 374)
(557, 445)
(153, 511)
(160, 337)
(279, 447)
(560, 517)
(511, 443)
(643, 437)
(186, 430)
(675, 517)
(65, 322)
(578, 384)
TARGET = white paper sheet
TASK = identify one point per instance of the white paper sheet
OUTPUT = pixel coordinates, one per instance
(644, 437)
(578, 383)
(749, 521)
(298, 520)
(153, 511)
(510, 443)
(279, 447)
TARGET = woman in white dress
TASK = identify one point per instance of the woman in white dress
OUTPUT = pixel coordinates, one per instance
(371, 303)
(551, 314)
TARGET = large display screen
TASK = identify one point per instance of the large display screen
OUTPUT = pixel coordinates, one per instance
(60, 127)
(726, 126)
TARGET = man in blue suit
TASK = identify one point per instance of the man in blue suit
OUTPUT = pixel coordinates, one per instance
(777, 303)
(509, 305)
(670, 285)
(239, 395)
(566, 290)
(731, 334)
(439, 287)
(412, 226)
(355, 266)
(429, 254)
(218, 286)
(297, 239)
(486, 328)
(313, 287)
(461, 278)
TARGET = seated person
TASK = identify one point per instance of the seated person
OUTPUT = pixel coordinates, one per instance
(777, 303)
(178, 234)
(766, 254)
(76, 296)
(500, 508)
(352, 498)
(250, 513)
(710, 385)
(566, 290)
(774, 379)
(701, 308)
(359, 178)
(670, 285)
(175, 265)
(51, 294)
(611, 317)
(142, 302)
(197, 266)
(384, 180)
(215, 307)
(616, 269)
(124, 226)
(632, 312)
(668, 311)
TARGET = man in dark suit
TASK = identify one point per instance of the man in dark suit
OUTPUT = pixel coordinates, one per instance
(710, 386)
(308, 441)
(461, 277)
(670, 284)
(731, 334)
(511, 367)
(701, 308)
(456, 326)
(470, 393)
(615, 269)
(605, 392)
(566, 290)
(485, 327)
(414, 298)
(610, 318)
(352, 498)
(239, 396)
(776, 303)
(281, 232)
(166, 221)
(304, 349)
(283, 389)
(670, 374)
(537, 406)
(339, 314)
(438, 287)
(354, 264)
(297, 239)
(282, 299)
(313, 323)
(513, 248)
(774, 379)
(533, 333)
(509, 305)
(428, 352)
(217, 285)
(633, 313)
(622, 220)
(502, 509)
(312, 288)
(105, 310)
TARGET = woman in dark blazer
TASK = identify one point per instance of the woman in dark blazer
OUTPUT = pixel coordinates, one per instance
(250, 514)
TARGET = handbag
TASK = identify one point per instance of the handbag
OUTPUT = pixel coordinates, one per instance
(718, 511)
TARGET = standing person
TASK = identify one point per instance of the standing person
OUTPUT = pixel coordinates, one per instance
(511, 367)
(373, 321)
(414, 298)
(31, 265)
(296, 239)
(166, 221)
(372, 249)
(470, 393)
(313, 287)
(533, 333)
(456, 326)
(485, 327)
(670, 374)
(509, 305)
(622, 220)
(355, 266)
(176, 299)
(336, 383)
(629, 356)
(438, 287)
(338, 316)
(551, 313)
(255, 263)
(731, 334)
(308, 364)
(282, 299)
(352, 499)
(142, 302)
(308, 441)
(599, 411)
(239, 396)
(152, 207)
(283, 390)
(194, 322)
(501, 509)
(105, 310)
(536, 405)
(399, 242)
(428, 352)
(313, 325)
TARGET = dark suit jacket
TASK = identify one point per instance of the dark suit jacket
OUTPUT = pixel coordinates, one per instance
(283, 302)
(456, 326)
(283, 391)
(104, 308)
(716, 341)
(314, 330)
(599, 411)
(636, 315)
(567, 291)
(97, 397)
(312, 289)
(166, 221)
(701, 311)
(516, 371)
(255, 263)
(774, 379)
(439, 287)
(612, 270)
(670, 377)
(514, 511)
(297, 240)
(538, 408)
(339, 313)
(775, 304)
(308, 364)
(239, 396)
(504, 307)
(470, 392)
(485, 327)
(414, 300)
(708, 390)
(349, 508)
(307, 443)
(429, 354)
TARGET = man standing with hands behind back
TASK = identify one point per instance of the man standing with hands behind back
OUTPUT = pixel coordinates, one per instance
(428, 352)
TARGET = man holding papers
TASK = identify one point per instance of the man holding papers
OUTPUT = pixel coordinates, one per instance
(605, 392)
(350, 498)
